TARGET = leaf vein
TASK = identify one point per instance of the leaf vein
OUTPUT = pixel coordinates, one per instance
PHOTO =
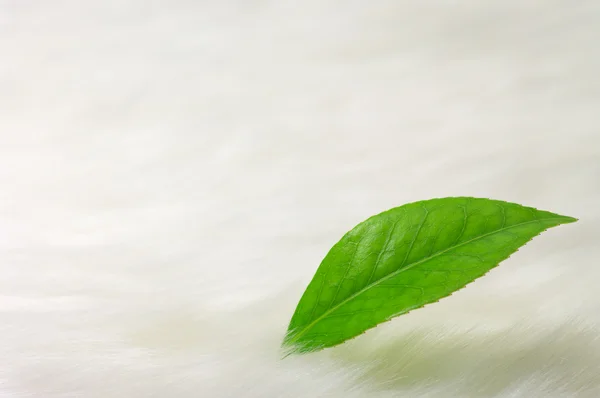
(327, 313)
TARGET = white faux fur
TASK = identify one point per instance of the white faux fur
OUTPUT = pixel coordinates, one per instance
(172, 173)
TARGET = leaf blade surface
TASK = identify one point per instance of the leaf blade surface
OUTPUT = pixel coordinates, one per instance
(405, 258)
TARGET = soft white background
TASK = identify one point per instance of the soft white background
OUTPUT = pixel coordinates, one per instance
(172, 172)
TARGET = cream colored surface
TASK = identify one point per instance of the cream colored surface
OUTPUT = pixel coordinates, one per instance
(172, 172)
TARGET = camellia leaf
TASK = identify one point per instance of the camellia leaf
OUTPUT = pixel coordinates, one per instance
(407, 257)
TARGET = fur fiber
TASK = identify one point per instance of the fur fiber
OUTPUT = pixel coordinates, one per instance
(172, 173)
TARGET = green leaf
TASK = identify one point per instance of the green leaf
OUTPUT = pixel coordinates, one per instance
(407, 257)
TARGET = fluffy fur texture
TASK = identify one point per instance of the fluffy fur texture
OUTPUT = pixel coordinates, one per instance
(172, 172)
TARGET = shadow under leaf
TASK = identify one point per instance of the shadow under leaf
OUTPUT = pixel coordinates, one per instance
(479, 363)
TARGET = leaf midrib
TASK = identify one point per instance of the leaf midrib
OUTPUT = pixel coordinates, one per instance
(409, 266)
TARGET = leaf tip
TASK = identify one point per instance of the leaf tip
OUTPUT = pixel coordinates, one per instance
(568, 220)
